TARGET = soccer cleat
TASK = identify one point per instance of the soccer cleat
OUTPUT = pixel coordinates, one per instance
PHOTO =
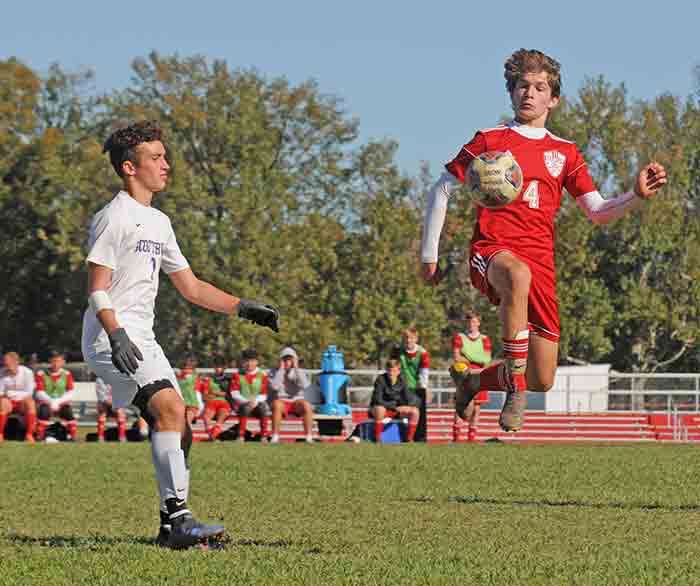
(467, 386)
(513, 411)
(187, 532)
(163, 537)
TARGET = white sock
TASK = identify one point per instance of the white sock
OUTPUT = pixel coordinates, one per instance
(169, 464)
(275, 438)
(310, 438)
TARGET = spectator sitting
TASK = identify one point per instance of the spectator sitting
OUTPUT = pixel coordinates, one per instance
(105, 409)
(391, 398)
(16, 395)
(287, 385)
(249, 394)
(54, 392)
(191, 388)
(216, 404)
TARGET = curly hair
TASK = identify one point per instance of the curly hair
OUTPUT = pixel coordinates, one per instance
(122, 144)
(532, 61)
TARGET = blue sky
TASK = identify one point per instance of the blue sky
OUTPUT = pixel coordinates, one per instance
(425, 74)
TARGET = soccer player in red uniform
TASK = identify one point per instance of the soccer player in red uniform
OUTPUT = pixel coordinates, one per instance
(474, 349)
(512, 250)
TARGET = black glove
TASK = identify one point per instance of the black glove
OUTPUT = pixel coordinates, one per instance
(124, 352)
(258, 313)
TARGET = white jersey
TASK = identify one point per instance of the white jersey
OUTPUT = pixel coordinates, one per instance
(135, 241)
(18, 386)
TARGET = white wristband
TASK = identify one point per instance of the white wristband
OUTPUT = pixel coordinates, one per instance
(99, 300)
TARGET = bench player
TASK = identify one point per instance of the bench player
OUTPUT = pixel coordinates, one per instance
(130, 242)
(512, 250)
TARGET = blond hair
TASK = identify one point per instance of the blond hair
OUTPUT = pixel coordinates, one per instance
(532, 61)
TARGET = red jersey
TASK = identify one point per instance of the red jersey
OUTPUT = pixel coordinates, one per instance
(549, 165)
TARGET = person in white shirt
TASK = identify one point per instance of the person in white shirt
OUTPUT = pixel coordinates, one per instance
(129, 243)
(16, 395)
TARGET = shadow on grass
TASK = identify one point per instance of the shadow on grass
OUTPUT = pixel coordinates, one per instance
(79, 541)
(94, 542)
(478, 500)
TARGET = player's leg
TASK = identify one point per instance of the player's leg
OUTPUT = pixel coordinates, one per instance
(474, 420)
(244, 411)
(412, 413)
(304, 410)
(154, 391)
(120, 415)
(278, 413)
(5, 409)
(207, 417)
(65, 413)
(102, 411)
(44, 419)
(541, 363)
(378, 413)
(263, 412)
(29, 409)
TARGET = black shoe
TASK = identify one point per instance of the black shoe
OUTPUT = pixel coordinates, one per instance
(187, 532)
(163, 537)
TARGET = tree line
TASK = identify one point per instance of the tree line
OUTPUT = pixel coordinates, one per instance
(272, 196)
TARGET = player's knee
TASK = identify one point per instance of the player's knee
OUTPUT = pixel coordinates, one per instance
(540, 384)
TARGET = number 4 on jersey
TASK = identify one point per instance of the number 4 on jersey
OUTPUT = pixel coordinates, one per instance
(532, 196)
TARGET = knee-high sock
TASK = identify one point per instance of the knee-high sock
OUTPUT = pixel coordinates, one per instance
(170, 468)
(378, 430)
(509, 375)
(30, 422)
(412, 425)
(3, 421)
(101, 420)
(242, 426)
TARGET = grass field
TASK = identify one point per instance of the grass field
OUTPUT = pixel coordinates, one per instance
(358, 514)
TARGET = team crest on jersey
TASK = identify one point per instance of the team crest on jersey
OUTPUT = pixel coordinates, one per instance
(554, 161)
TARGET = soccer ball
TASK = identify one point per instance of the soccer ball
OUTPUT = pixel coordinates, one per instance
(495, 178)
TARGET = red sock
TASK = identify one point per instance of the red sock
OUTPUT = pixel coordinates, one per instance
(121, 428)
(41, 428)
(215, 431)
(411, 430)
(72, 429)
(378, 430)
(471, 434)
(30, 422)
(101, 427)
(455, 430)
(242, 426)
(263, 426)
(3, 421)
(509, 375)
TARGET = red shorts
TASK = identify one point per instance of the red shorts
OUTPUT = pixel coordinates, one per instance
(216, 405)
(481, 397)
(542, 306)
(17, 407)
(289, 407)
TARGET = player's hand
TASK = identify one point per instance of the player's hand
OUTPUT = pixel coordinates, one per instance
(125, 354)
(433, 274)
(259, 313)
(651, 178)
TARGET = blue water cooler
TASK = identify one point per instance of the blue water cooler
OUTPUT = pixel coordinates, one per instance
(332, 381)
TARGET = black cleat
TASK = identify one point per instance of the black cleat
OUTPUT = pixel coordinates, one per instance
(163, 537)
(188, 532)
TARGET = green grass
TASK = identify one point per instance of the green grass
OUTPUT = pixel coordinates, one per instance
(358, 514)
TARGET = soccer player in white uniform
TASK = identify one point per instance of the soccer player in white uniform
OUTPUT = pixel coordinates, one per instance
(129, 243)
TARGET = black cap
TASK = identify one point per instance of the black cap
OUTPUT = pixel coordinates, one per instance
(249, 354)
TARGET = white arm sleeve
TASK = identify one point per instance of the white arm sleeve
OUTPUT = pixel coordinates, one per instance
(603, 211)
(423, 377)
(435, 216)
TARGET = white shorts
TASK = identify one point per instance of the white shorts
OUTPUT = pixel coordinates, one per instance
(153, 367)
